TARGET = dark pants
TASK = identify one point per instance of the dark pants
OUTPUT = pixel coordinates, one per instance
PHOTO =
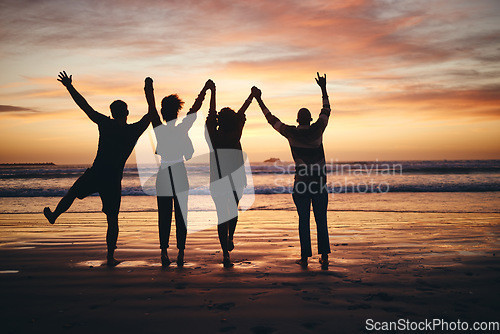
(319, 200)
(165, 206)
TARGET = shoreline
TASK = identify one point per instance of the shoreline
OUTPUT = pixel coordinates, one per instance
(421, 202)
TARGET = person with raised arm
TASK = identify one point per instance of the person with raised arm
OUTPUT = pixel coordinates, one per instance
(117, 139)
(227, 168)
(310, 187)
(172, 185)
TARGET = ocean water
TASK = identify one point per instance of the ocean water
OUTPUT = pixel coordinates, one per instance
(407, 186)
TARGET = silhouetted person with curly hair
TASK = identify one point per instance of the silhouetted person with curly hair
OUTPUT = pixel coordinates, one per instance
(172, 185)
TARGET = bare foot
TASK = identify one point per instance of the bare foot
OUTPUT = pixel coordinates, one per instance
(49, 215)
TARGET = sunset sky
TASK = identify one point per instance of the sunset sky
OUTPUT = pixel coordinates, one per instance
(407, 79)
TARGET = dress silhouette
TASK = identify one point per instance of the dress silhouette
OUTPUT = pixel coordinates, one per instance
(172, 185)
(116, 142)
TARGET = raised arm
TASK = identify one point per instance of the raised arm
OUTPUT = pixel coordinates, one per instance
(211, 122)
(246, 104)
(199, 100)
(78, 98)
(150, 98)
(325, 111)
(271, 119)
(213, 108)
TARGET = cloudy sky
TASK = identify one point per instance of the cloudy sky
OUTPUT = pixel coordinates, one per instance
(407, 79)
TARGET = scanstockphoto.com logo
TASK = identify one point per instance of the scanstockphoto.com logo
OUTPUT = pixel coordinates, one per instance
(427, 325)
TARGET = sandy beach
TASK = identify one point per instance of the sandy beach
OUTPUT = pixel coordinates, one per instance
(383, 114)
(384, 266)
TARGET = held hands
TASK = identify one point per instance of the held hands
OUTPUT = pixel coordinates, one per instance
(257, 93)
(64, 79)
(321, 81)
(209, 85)
(148, 84)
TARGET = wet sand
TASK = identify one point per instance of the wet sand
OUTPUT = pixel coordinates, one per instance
(384, 266)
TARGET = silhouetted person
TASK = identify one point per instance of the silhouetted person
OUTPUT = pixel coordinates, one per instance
(116, 142)
(227, 170)
(174, 146)
(306, 143)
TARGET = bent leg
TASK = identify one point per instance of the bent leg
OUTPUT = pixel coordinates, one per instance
(85, 185)
(65, 203)
(63, 206)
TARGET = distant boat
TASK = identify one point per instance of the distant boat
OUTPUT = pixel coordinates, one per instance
(272, 160)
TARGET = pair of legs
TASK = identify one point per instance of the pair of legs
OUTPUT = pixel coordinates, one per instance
(172, 188)
(319, 201)
(165, 206)
(227, 216)
(110, 193)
